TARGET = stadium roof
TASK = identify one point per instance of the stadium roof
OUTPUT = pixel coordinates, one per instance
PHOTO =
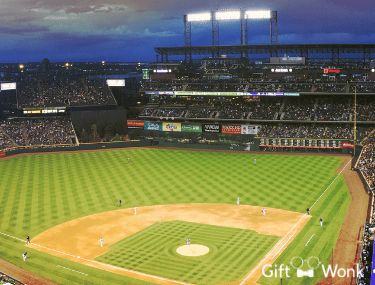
(362, 52)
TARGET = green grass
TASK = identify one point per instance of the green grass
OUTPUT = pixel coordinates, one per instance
(41, 191)
(153, 251)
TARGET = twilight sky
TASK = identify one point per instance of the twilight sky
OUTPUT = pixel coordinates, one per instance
(112, 30)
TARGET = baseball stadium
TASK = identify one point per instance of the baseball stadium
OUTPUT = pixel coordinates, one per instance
(215, 165)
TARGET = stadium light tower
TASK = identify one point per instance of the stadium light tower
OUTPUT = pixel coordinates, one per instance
(231, 15)
(198, 17)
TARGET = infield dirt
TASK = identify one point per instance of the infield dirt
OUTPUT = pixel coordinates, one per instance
(78, 240)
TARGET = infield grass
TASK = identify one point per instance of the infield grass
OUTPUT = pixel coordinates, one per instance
(153, 251)
(38, 192)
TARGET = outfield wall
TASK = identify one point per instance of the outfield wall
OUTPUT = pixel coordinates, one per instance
(85, 146)
(201, 146)
(232, 136)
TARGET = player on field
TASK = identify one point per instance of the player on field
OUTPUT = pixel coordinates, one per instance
(135, 210)
(238, 200)
(24, 256)
(27, 240)
(101, 241)
(321, 222)
(264, 211)
(255, 161)
(120, 203)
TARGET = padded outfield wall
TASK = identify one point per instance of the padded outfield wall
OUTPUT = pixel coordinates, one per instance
(232, 136)
(80, 147)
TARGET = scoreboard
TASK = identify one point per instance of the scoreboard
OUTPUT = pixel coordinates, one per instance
(302, 143)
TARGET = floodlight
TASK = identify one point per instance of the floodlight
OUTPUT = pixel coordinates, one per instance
(201, 17)
(258, 14)
(228, 15)
(116, 82)
(8, 86)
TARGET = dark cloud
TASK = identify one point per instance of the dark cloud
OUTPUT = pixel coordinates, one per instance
(66, 39)
(79, 9)
(20, 20)
(168, 18)
(13, 30)
(87, 9)
(119, 9)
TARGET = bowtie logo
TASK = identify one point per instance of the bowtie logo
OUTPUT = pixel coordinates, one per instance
(308, 273)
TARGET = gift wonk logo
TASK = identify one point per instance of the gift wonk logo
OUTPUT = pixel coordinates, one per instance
(313, 262)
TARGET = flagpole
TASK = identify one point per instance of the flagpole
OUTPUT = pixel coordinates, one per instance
(355, 117)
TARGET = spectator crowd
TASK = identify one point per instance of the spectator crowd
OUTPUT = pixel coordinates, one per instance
(64, 92)
(35, 132)
(301, 108)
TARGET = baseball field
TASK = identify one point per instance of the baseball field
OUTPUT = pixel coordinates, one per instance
(67, 201)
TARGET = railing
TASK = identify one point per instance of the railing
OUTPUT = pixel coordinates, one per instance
(9, 279)
(36, 146)
(361, 253)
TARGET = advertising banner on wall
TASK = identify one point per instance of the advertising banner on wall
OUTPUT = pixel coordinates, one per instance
(211, 128)
(171, 127)
(349, 145)
(231, 129)
(135, 124)
(249, 129)
(191, 128)
(153, 126)
(2, 154)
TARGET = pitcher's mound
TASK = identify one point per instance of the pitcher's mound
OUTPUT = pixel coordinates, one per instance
(193, 250)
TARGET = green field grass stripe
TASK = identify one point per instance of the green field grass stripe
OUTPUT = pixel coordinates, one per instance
(330, 184)
(38, 192)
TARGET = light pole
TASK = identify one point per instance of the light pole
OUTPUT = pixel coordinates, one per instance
(355, 118)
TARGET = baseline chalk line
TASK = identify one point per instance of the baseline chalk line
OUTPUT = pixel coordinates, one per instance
(309, 240)
(72, 270)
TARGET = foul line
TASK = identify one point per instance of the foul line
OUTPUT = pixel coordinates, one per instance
(331, 183)
(309, 239)
(102, 264)
(280, 241)
(12, 237)
(283, 245)
(274, 248)
(115, 267)
(72, 270)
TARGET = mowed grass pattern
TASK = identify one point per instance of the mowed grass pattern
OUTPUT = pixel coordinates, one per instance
(38, 192)
(153, 251)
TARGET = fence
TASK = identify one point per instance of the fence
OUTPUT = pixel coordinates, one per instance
(83, 146)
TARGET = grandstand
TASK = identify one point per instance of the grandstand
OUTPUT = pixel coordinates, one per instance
(64, 92)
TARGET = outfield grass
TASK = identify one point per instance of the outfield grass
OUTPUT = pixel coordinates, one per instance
(41, 191)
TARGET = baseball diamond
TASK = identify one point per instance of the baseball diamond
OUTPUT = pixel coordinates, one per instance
(67, 201)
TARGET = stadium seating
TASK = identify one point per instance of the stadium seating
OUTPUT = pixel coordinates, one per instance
(64, 92)
(35, 132)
